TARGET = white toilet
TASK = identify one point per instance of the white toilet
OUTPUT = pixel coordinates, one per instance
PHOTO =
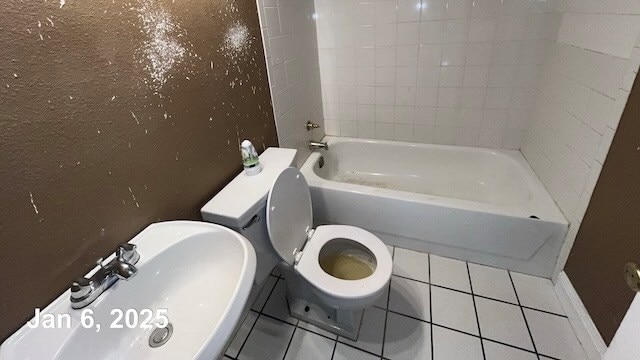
(333, 272)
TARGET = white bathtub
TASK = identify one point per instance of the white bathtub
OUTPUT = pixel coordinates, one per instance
(480, 205)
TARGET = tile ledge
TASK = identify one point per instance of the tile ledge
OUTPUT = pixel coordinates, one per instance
(579, 318)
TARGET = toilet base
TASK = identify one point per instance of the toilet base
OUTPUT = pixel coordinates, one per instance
(345, 323)
(305, 305)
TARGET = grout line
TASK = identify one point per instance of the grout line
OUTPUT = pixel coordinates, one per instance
(386, 310)
(475, 310)
(466, 333)
(430, 306)
(290, 340)
(480, 296)
(260, 313)
(333, 353)
(248, 334)
(408, 278)
(270, 292)
(515, 347)
(315, 332)
(524, 316)
(275, 318)
(409, 316)
(544, 311)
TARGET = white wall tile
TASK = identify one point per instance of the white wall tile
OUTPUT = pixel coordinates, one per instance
(455, 31)
(385, 34)
(430, 32)
(482, 30)
(433, 9)
(295, 50)
(453, 54)
(436, 58)
(408, 10)
(452, 76)
(407, 33)
(428, 76)
(608, 34)
(386, 12)
(407, 55)
(429, 55)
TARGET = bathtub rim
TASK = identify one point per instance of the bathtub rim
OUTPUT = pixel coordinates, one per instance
(540, 203)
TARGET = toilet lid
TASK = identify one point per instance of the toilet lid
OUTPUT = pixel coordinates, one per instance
(289, 214)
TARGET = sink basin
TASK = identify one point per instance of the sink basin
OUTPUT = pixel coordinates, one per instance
(200, 273)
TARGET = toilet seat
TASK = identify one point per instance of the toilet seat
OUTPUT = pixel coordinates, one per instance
(309, 266)
(289, 223)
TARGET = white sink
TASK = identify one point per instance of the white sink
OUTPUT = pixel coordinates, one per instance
(200, 273)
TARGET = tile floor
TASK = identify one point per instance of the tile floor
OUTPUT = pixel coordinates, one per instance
(436, 308)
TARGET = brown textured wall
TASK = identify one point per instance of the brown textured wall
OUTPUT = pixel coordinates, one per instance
(609, 236)
(113, 115)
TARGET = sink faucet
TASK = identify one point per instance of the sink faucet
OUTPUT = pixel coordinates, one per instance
(84, 291)
(314, 145)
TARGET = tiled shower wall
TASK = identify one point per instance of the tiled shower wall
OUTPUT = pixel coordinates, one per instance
(583, 90)
(435, 71)
(289, 33)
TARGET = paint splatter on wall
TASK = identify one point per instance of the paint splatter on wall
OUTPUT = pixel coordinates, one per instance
(162, 49)
(237, 42)
(115, 114)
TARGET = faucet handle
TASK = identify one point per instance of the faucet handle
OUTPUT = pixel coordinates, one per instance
(127, 253)
(81, 287)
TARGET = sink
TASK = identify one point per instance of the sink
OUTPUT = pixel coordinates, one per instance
(200, 273)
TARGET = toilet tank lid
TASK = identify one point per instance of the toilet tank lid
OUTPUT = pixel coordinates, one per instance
(244, 195)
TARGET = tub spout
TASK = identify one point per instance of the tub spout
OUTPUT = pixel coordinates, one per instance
(313, 145)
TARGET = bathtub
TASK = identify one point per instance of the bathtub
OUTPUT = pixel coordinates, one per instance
(479, 205)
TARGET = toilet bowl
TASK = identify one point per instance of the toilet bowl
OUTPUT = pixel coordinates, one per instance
(334, 271)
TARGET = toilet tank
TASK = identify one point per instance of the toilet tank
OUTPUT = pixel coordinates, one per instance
(241, 206)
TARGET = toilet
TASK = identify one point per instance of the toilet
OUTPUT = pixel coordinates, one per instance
(332, 272)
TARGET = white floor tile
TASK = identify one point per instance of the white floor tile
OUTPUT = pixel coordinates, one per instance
(268, 340)
(492, 282)
(371, 331)
(503, 322)
(495, 351)
(409, 297)
(344, 352)
(450, 273)
(277, 306)
(537, 293)
(452, 345)
(453, 309)
(407, 338)
(241, 335)
(554, 336)
(309, 346)
(411, 264)
(258, 304)
(315, 329)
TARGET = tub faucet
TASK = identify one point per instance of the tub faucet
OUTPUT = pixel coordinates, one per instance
(315, 145)
(84, 291)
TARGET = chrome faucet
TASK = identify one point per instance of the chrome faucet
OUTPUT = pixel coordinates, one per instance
(315, 145)
(84, 291)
